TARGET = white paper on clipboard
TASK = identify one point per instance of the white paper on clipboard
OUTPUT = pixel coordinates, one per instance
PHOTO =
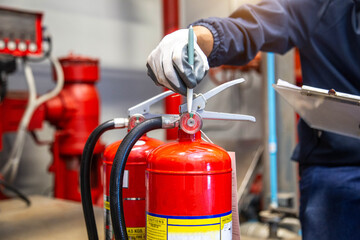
(335, 111)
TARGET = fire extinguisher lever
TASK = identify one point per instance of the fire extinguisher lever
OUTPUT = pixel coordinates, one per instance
(200, 101)
(222, 87)
(225, 116)
(143, 108)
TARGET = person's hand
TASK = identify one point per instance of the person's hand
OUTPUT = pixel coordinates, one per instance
(168, 63)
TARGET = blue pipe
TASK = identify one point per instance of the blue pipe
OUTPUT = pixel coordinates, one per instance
(272, 129)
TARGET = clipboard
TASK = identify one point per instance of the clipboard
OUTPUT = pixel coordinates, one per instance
(323, 109)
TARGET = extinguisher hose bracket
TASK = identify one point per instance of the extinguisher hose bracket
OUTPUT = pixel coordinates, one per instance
(170, 121)
(121, 122)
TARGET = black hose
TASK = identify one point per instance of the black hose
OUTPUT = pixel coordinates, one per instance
(85, 170)
(17, 192)
(3, 85)
(117, 173)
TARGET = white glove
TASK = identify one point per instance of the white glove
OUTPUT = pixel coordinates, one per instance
(168, 63)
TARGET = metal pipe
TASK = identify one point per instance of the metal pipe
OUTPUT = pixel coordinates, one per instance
(171, 24)
(272, 129)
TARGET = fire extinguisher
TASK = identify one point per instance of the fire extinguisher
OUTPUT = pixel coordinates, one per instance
(188, 182)
(134, 180)
(191, 179)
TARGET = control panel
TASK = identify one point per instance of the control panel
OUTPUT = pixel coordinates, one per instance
(20, 32)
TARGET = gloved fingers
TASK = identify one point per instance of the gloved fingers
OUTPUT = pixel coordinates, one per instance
(190, 75)
(152, 65)
(186, 74)
(170, 74)
(160, 62)
(156, 62)
(166, 82)
(152, 75)
(173, 80)
(181, 89)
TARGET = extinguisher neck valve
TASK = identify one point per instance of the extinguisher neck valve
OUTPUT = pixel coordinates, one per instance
(185, 137)
(170, 121)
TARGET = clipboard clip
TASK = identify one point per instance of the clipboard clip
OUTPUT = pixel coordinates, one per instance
(332, 92)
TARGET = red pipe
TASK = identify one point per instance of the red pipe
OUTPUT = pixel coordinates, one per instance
(171, 16)
(171, 24)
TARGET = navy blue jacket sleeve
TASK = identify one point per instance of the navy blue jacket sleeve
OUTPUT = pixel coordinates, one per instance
(271, 25)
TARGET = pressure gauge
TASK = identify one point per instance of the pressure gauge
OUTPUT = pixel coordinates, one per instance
(135, 120)
(190, 122)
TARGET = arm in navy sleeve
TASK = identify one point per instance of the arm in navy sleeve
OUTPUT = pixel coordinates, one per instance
(271, 25)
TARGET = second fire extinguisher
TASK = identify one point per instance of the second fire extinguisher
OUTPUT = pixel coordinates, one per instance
(133, 186)
(134, 179)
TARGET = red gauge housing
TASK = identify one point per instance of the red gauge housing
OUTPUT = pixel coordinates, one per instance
(188, 183)
(133, 186)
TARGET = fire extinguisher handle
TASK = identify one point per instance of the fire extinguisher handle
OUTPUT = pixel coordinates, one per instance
(222, 87)
(225, 116)
(200, 100)
(144, 107)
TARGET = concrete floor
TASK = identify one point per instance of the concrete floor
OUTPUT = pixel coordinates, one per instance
(46, 218)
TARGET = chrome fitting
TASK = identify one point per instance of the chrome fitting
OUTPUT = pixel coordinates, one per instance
(170, 121)
(121, 122)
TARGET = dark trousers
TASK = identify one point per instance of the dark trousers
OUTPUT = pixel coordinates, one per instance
(330, 202)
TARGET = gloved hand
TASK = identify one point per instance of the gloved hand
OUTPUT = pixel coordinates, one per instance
(168, 63)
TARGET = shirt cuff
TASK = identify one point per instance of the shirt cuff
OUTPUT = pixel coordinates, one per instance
(214, 27)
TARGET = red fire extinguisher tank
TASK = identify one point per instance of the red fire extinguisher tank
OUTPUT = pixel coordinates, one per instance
(133, 187)
(188, 190)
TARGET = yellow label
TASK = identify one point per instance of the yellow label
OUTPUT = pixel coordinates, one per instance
(156, 228)
(107, 205)
(136, 233)
(216, 227)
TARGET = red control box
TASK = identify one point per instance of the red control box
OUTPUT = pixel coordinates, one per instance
(20, 32)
